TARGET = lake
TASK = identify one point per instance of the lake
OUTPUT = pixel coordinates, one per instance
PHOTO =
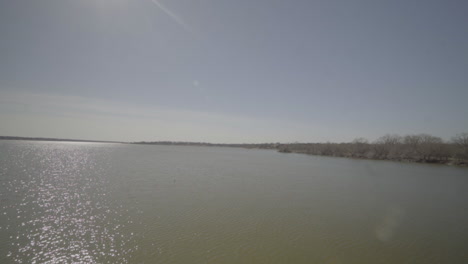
(120, 203)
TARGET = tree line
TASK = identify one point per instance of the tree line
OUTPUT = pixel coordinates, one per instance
(414, 148)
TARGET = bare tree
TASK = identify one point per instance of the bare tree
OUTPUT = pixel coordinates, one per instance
(386, 145)
(411, 146)
(461, 141)
(360, 147)
(423, 147)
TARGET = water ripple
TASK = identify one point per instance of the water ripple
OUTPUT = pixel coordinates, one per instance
(60, 212)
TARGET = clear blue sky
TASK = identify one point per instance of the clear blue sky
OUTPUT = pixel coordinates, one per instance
(233, 71)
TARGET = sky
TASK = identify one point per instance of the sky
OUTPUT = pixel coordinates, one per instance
(224, 71)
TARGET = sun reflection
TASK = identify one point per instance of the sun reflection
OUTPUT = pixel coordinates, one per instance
(61, 214)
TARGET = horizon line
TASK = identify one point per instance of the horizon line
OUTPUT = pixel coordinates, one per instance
(192, 142)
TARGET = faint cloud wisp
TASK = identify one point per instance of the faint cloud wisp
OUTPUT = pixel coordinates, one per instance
(172, 15)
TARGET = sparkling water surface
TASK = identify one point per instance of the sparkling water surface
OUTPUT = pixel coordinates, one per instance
(119, 203)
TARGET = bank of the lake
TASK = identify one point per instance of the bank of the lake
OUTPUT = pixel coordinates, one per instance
(422, 152)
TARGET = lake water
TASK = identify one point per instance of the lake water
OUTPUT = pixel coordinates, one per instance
(117, 203)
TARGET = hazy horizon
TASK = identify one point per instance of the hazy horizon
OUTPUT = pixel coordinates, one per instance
(232, 71)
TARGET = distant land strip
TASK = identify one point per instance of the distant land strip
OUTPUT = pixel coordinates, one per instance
(55, 139)
(420, 148)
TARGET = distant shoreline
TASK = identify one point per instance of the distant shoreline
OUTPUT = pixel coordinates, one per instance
(398, 151)
(55, 139)
(422, 152)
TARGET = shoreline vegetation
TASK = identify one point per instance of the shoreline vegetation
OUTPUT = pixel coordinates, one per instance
(419, 148)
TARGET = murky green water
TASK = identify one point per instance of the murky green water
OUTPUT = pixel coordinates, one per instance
(111, 203)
